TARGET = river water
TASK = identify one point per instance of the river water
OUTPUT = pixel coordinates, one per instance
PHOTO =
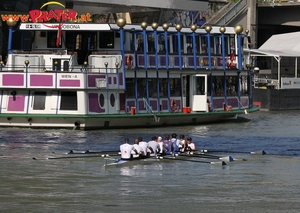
(252, 183)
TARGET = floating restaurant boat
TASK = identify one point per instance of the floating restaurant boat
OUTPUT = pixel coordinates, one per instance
(81, 75)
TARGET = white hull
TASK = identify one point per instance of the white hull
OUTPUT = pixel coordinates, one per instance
(115, 121)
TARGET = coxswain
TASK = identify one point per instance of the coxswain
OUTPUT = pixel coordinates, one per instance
(126, 150)
(190, 146)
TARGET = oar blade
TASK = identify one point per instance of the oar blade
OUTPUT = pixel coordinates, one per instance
(227, 159)
(258, 153)
(219, 163)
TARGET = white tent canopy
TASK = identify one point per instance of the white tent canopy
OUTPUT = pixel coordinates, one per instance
(278, 46)
(285, 45)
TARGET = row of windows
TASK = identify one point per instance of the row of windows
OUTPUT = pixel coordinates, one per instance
(89, 41)
(154, 86)
(68, 101)
(83, 40)
(232, 83)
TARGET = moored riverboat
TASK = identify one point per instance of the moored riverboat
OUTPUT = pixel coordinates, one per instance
(82, 75)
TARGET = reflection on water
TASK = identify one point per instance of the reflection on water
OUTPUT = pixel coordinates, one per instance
(266, 183)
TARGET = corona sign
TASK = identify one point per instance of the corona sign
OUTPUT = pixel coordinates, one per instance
(58, 15)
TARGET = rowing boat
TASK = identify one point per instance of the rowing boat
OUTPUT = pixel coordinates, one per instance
(120, 161)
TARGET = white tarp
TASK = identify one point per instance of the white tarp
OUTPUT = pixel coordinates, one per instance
(286, 45)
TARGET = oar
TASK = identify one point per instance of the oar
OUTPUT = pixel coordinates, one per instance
(227, 158)
(230, 151)
(90, 152)
(72, 157)
(196, 161)
(191, 154)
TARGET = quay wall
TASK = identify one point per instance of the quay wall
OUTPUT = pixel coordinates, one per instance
(273, 99)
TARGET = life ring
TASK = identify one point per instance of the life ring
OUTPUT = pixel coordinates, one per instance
(129, 61)
(173, 105)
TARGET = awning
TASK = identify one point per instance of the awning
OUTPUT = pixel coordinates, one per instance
(281, 45)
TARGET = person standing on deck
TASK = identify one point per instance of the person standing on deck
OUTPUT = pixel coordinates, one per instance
(190, 146)
(140, 152)
(127, 149)
(169, 144)
(145, 146)
(154, 145)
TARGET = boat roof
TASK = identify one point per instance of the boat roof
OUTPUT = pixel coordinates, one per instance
(280, 45)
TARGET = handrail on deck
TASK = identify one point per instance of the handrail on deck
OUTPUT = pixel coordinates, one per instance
(237, 7)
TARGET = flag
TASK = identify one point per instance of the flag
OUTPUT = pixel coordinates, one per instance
(58, 37)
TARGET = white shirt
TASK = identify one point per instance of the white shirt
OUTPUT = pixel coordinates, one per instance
(139, 149)
(126, 150)
(192, 145)
(180, 144)
(155, 146)
(144, 146)
(161, 146)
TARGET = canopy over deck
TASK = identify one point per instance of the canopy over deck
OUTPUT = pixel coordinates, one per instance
(279, 46)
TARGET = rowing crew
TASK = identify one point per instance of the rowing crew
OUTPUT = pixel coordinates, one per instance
(143, 149)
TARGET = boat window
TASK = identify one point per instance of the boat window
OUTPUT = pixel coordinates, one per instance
(163, 87)
(152, 84)
(68, 101)
(175, 43)
(141, 86)
(175, 86)
(218, 43)
(190, 43)
(140, 43)
(112, 100)
(130, 88)
(231, 85)
(39, 100)
(51, 39)
(232, 44)
(101, 100)
(106, 40)
(200, 85)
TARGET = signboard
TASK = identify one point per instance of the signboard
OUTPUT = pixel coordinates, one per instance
(42, 16)
(290, 83)
(64, 27)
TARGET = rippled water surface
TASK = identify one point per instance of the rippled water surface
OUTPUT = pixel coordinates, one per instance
(252, 183)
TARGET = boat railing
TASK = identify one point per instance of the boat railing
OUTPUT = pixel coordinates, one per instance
(173, 61)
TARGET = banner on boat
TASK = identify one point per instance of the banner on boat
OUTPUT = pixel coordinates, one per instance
(53, 15)
(73, 27)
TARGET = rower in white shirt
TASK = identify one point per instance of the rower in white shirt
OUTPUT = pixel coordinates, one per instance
(190, 146)
(126, 150)
(145, 147)
(162, 146)
(154, 145)
(140, 151)
(181, 144)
